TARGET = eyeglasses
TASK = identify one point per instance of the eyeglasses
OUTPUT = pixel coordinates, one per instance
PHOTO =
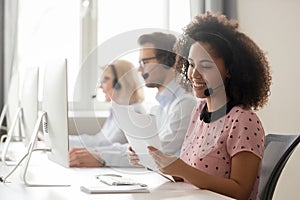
(143, 61)
(101, 81)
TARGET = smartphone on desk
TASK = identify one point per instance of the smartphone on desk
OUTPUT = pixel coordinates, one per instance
(118, 180)
(115, 183)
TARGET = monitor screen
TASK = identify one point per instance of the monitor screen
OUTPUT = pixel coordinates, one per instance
(55, 106)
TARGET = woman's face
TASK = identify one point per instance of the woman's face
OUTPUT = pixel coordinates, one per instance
(206, 69)
(107, 84)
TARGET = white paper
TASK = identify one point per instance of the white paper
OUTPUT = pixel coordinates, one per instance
(140, 130)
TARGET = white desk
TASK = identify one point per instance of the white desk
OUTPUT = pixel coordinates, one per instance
(42, 170)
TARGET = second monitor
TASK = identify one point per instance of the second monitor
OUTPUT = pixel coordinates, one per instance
(53, 115)
(55, 105)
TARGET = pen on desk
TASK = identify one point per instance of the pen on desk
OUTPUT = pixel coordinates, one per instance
(160, 174)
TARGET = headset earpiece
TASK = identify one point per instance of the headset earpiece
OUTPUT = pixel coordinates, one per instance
(116, 83)
(169, 60)
(167, 63)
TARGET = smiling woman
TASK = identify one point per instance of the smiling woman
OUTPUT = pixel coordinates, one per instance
(224, 144)
(37, 29)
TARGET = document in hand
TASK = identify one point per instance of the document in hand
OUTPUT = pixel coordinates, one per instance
(114, 189)
(140, 130)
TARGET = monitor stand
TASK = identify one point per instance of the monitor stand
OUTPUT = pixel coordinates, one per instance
(3, 113)
(31, 148)
(9, 137)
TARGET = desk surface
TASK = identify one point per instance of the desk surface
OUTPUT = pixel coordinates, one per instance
(88, 114)
(42, 170)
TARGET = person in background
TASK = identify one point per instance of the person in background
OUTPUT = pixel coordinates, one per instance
(120, 82)
(224, 145)
(157, 60)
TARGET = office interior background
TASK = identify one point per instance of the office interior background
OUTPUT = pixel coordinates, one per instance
(33, 31)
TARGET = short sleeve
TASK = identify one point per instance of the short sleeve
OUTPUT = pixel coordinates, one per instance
(246, 134)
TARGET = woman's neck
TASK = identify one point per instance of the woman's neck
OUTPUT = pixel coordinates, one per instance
(216, 101)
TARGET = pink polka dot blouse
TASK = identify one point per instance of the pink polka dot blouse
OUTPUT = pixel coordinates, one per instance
(209, 147)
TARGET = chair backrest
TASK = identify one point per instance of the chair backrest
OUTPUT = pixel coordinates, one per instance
(278, 149)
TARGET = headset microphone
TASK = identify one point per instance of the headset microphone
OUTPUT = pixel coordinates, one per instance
(147, 74)
(209, 91)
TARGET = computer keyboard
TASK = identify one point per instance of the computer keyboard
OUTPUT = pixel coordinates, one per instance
(114, 179)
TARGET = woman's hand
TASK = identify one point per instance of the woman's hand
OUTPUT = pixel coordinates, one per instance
(81, 157)
(133, 157)
(167, 164)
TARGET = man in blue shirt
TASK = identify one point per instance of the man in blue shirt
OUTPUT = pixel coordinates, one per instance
(157, 61)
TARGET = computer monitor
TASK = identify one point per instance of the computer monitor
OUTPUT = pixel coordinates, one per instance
(27, 111)
(12, 99)
(12, 103)
(55, 105)
(29, 79)
(53, 117)
(12, 112)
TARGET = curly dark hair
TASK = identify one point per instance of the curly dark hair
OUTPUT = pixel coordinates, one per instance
(249, 79)
(163, 45)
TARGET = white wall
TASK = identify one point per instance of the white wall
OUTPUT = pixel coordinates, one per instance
(275, 26)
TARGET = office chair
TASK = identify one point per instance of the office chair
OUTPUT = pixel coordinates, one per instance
(278, 149)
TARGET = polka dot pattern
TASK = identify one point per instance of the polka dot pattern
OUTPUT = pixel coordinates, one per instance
(241, 130)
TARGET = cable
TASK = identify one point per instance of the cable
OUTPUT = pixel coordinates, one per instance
(3, 179)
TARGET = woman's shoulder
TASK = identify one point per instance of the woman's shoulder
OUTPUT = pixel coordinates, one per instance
(240, 112)
(242, 116)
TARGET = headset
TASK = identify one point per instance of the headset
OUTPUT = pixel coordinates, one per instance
(116, 83)
(168, 59)
(167, 62)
